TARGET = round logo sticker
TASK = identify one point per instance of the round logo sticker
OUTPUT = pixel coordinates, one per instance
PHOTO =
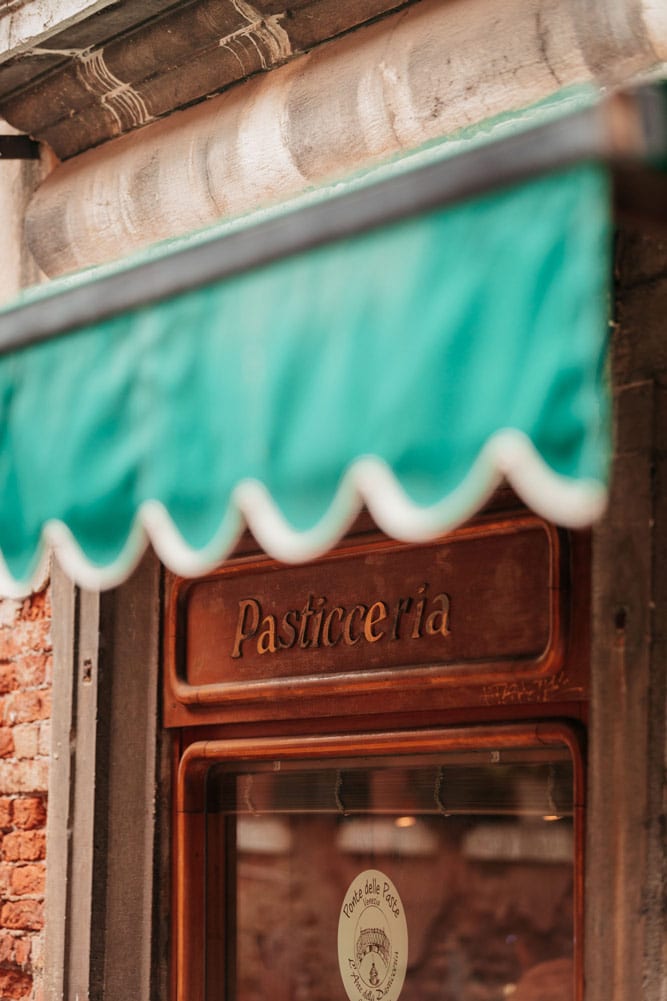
(372, 939)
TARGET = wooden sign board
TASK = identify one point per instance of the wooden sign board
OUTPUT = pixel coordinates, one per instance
(485, 606)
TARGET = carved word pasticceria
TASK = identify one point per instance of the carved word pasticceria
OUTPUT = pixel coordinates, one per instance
(319, 624)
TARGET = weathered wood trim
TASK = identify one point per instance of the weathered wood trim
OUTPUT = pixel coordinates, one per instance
(72, 784)
(64, 602)
(427, 71)
(107, 869)
(190, 812)
(129, 656)
(626, 923)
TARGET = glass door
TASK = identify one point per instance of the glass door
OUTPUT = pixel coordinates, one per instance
(442, 870)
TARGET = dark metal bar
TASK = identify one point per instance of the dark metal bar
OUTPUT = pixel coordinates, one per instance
(18, 148)
(624, 131)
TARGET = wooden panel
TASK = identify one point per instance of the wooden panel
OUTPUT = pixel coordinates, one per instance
(484, 608)
(626, 875)
(473, 601)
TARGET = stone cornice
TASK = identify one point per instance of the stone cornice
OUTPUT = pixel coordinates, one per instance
(108, 69)
(418, 74)
(75, 73)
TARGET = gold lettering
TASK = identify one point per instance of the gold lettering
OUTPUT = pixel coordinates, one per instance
(438, 620)
(244, 629)
(419, 612)
(315, 625)
(327, 639)
(376, 614)
(317, 620)
(305, 616)
(402, 605)
(289, 625)
(266, 641)
(348, 639)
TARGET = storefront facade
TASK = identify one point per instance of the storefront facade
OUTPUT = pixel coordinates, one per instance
(426, 770)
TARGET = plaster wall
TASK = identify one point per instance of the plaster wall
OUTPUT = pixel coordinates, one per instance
(18, 180)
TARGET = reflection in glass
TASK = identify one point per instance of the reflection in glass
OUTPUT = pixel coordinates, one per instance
(479, 846)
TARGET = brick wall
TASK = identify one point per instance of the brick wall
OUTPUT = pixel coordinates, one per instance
(25, 694)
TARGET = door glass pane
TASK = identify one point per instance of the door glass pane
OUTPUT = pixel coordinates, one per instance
(474, 850)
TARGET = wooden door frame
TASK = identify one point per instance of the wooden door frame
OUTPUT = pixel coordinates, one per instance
(188, 973)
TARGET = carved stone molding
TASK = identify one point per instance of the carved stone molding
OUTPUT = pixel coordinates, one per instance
(416, 75)
(75, 74)
(117, 67)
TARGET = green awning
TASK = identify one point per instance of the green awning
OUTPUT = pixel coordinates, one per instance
(408, 367)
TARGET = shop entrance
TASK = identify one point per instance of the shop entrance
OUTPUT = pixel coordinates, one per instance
(349, 853)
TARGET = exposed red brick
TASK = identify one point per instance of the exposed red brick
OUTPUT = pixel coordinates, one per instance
(26, 740)
(26, 707)
(5, 812)
(29, 812)
(24, 846)
(30, 670)
(6, 742)
(7, 947)
(37, 606)
(22, 950)
(23, 914)
(15, 948)
(14, 984)
(44, 747)
(9, 647)
(6, 869)
(33, 635)
(7, 678)
(24, 638)
(24, 776)
(28, 879)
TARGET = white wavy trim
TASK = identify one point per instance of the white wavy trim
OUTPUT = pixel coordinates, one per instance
(509, 454)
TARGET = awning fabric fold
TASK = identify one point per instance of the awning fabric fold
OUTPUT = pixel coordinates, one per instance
(409, 368)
